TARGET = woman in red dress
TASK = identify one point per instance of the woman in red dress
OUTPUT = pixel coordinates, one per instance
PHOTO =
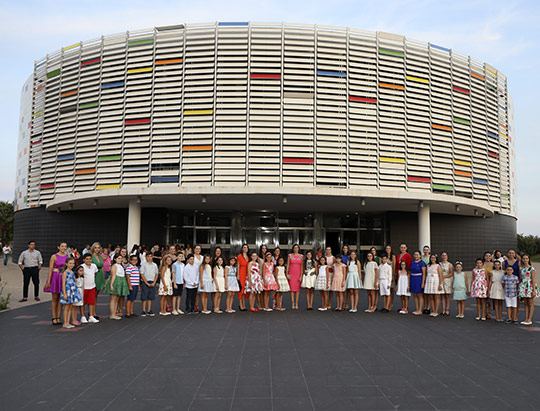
(295, 268)
(243, 261)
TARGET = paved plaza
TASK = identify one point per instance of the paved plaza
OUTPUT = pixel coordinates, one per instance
(292, 360)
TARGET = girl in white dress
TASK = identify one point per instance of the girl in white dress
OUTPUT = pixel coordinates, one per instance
(165, 285)
(219, 281)
(371, 282)
(282, 282)
(353, 282)
(322, 284)
(231, 284)
(206, 282)
(404, 276)
(497, 291)
(433, 284)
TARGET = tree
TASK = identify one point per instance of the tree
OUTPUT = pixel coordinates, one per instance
(6, 222)
(529, 244)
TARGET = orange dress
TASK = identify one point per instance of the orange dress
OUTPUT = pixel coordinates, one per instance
(242, 274)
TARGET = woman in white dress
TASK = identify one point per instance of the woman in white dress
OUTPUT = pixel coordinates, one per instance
(353, 282)
(371, 282)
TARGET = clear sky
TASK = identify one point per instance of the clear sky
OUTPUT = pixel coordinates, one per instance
(504, 34)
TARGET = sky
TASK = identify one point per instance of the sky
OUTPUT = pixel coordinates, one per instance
(502, 33)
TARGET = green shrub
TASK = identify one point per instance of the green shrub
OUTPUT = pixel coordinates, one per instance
(529, 244)
(4, 301)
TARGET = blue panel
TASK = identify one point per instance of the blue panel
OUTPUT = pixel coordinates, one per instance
(135, 168)
(66, 157)
(493, 135)
(434, 46)
(504, 108)
(165, 179)
(480, 181)
(233, 23)
(109, 85)
(331, 73)
(41, 64)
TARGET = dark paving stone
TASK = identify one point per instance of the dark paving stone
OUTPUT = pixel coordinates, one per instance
(210, 405)
(252, 404)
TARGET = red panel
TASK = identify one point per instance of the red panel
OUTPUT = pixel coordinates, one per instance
(138, 121)
(274, 76)
(363, 99)
(289, 160)
(47, 186)
(87, 62)
(492, 154)
(419, 179)
(461, 89)
(36, 142)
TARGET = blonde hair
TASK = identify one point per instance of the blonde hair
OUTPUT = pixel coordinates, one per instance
(96, 244)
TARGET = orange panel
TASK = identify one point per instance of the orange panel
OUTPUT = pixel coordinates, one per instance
(69, 93)
(396, 86)
(462, 173)
(85, 171)
(441, 127)
(477, 76)
(170, 61)
(196, 148)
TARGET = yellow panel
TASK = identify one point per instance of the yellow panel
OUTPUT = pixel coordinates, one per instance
(139, 70)
(503, 135)
(463, 163)
(195, 112)
(418, 79)
(71, 47)
(107, 186)
(392, 160)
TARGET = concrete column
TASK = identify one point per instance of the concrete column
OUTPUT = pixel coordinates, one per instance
(134, 224)
(424, 228)
(236, 232)
(318, 230)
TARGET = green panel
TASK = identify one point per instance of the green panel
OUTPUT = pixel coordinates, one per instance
(391, 52)
(88, 105)
(53, 73)
(443, 187)
(459, 120)
(140, 42)
(109, 158)
(505, 196)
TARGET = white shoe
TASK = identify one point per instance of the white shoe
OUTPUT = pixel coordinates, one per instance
(175, 312)
(367, 310)
(84, 320)
(180, 312)
(92, 320)
(206, 312)
(68, 326)
(526, 323)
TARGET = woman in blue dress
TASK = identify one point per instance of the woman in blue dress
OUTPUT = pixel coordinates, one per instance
(418, 277)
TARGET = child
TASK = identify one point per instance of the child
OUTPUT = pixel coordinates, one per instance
(116, 286)
(329, 273)
(510, 284)
(385, 280)
(496, 292)
(479, 289)
(447, 281)
(219, 281)
(70, 292)
(309, 278)
(149, 276)
(89, 294)
(353, 280)
(206, 283)
(282, 283)
(254, 283)
(191, 282)
(133, 278)
(338, 282)
(178, 285)
(461, 289)
(404, 276)
(79, 281)
(231, 284)
(269, 280)
(322, 282)
(371, 282)
(165, 285)
(433, 285)
(527, 287)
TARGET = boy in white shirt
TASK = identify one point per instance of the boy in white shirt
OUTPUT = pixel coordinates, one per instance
(149, 277)
(178, 283)
(385, 281)
(191, 283)
(89, 285)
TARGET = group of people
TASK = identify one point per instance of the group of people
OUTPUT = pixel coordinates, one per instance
(259, 278)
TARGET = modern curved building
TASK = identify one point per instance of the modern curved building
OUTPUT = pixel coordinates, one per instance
(233, 132)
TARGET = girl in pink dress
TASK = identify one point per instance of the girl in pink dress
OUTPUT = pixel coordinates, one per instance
(270, 283)
(480, 289)
(295, 268)
(254, 282)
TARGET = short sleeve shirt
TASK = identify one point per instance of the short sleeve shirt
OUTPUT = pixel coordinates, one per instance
(510, 283)
(90, 276)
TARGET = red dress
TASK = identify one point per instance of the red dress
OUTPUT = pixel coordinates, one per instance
(242, 274)
(405, 257)
(295, 271)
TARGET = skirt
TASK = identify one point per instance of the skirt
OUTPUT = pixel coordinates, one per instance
(56, 283)
(283, 284)
(100, 280)
(416, 284)
(166, 282)
(447, 285)
(271, 284)
(208, 286)
(402, 285)
(432, 284)
(232, 283)
(460, 294)
(257, 285)
(120, 287)
(353, 281)
(80, 303)
(337, 283)
(220, 284)
(496, 292)
(320, 284)
(369, 281)
(309, 280)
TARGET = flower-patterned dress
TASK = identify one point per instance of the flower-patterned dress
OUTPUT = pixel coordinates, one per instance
(257, 285)
(526, 285)
(73, 294)
(479, 285)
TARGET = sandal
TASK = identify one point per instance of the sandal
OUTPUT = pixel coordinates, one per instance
(53, 320)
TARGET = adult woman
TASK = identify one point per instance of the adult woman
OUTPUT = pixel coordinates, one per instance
(263, 249)
(418, 275)
(54, 281)
(243, 261)
(373, 252)
(330, 263)
(295, 268)
(97, 259)
(198, 259)
(106, 262)
(391, 260)
(447, 283)
(512, 260)
(527, 287)
(433, 284)
(498, 255)
(345, 254)
(488, 265)
(426, 256)
(124, 255)
(218, 252)
(276, 255)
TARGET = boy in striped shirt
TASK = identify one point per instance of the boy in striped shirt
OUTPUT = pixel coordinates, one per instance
(133, 278)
